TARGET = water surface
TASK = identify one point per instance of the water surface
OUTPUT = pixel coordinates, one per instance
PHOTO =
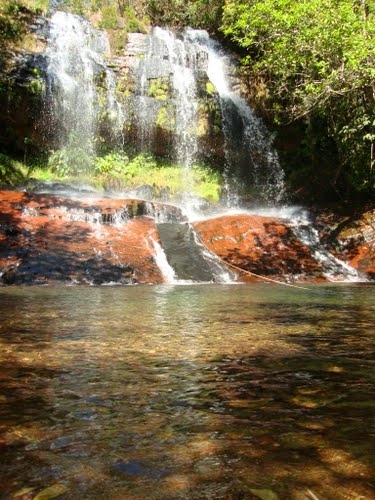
(188, 392)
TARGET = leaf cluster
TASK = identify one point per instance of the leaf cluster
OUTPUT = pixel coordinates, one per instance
(317, 61)
(181, 13)
(13, 17)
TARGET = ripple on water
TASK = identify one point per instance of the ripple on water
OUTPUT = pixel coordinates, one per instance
(188, 392)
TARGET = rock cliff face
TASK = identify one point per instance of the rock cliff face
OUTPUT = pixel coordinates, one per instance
(46, 239)
(144, 85)
(21, 94)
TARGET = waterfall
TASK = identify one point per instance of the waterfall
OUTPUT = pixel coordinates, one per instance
(248, 144)
(334, 268)
(164, 94)
(168, 72)
(161, 261)
(76, 69)
(183, 58)
(181, 64)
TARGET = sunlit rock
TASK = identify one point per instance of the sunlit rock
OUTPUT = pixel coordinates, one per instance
(259, 245)
(46, 239)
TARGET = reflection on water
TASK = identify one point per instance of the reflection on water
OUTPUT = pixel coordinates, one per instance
(188, 392)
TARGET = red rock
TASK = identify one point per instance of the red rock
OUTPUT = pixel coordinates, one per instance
(45, 238)
(358, 238)
(261, 245)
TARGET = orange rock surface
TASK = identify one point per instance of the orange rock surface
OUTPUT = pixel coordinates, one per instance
(260, 245)
(45, 238)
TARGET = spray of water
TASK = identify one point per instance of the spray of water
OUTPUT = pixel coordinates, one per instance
(76, 68)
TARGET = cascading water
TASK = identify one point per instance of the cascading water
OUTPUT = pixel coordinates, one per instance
(75, 68)
(248, 144)
(81, 95)
(172, 77)
(334, 268)
(183, 59)
(161, 260)
(167, 80)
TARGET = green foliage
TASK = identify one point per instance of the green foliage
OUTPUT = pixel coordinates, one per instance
(317, 59)
(159, 88)
(132, 23)
(162, 177)
(177, 13)
(119, 20)
(13, 15)
(313, 48)
(207, 183)
(69, 161)
(112, 162)
(110, 17)
(165, 118)
(116, 170)
(78, 7)
(210, 88)
(37, 6)
(11, 171)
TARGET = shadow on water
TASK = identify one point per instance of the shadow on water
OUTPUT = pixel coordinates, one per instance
(212, 392)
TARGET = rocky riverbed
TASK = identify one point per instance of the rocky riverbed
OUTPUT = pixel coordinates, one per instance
(45, 239)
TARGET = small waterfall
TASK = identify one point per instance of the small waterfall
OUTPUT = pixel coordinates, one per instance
(334, 268)
(183, 58)
(162, 262)
(76, 69)
(248, 144)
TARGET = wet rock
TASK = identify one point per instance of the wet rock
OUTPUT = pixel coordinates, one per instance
(183, 253)
(261, 245)
(48, 239)
(357, 238)
(86, 239)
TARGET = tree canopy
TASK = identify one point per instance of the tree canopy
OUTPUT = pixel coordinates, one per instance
(317, 60)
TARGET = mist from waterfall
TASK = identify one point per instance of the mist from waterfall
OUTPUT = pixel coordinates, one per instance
(75, 68)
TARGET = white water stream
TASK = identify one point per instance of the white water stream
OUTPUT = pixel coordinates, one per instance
(161, 260)
(251, 134)
(183, 57)
(75, 58)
